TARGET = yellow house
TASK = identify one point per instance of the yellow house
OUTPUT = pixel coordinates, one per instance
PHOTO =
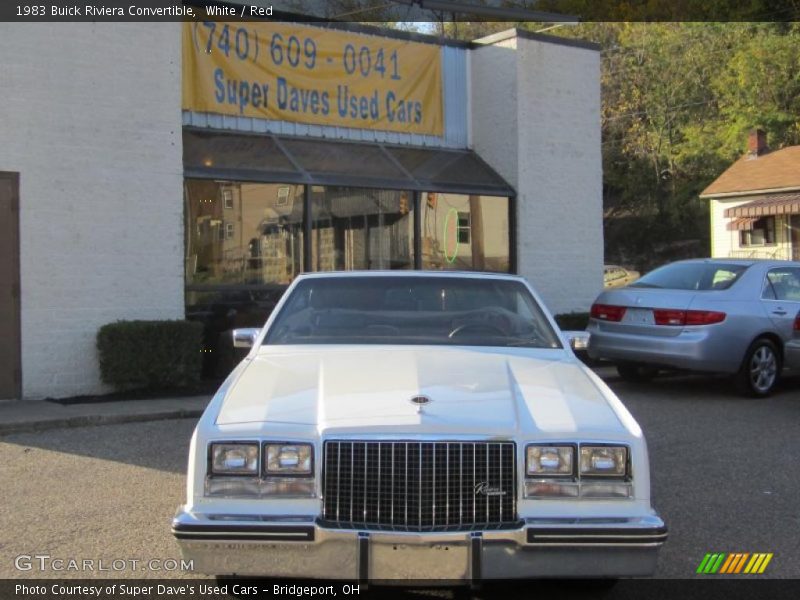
(755, 204)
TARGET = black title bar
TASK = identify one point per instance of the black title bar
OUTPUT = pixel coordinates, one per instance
(403, 11)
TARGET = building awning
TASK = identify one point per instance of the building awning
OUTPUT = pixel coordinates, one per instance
(782, 204)
(745, 223)
(271, 158)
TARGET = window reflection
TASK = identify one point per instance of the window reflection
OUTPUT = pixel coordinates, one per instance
(466, 233)
(356, 228)
(243, 233)
(244, 245)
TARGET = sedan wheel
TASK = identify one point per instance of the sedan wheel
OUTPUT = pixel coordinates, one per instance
(761, 369)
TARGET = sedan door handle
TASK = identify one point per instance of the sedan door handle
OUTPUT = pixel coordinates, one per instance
(779, 312)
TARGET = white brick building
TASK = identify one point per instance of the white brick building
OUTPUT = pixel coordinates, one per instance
(132, 206)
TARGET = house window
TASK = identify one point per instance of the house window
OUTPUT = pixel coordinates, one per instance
(762, 233)
(283, 196)
(464, 227)
(228, 231)
(227, 198)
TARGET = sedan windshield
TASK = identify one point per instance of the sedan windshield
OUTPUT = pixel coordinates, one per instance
(692, 276)
(412, 310)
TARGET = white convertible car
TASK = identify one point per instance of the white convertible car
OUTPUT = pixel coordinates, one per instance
(416, 425)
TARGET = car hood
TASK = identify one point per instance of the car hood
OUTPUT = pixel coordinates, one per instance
(482, 391)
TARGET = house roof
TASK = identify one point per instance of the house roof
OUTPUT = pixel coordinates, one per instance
(777, 170)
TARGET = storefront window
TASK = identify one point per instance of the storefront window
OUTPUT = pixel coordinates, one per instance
(357, 228)
(466, 233)
(243, 233)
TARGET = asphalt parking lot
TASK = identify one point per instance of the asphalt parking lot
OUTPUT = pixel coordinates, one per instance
(724, 476)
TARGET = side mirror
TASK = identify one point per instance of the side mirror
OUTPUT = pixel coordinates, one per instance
(578, 340)
(245, 338)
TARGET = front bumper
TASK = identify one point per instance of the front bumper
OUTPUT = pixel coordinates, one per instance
(297, 547)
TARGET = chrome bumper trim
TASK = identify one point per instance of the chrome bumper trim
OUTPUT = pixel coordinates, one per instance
(538, 548)
(596, 536)
(183, 531)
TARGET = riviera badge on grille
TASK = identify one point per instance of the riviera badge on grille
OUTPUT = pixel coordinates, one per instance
(482, 488)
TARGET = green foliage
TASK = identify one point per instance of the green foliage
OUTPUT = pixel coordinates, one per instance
(678, 99)
(150, 355)
(572, 321)
(677, 102)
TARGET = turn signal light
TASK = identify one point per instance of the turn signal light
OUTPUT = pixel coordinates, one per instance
(687, 317)
(608, 312)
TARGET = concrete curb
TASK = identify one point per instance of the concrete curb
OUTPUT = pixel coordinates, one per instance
(93, 420)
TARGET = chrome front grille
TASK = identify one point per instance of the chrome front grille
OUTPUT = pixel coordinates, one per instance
(419, 486)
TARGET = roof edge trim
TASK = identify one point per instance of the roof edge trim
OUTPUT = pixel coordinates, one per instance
(749, 193)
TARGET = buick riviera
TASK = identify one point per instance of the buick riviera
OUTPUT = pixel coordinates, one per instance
(416, 425)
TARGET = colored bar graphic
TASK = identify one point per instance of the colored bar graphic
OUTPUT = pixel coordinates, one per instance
(734, 563)
(753, 561)
(717, 564)
(741, 563)
(765, 563)
(732, 558)
(737, 557)
(703, 563)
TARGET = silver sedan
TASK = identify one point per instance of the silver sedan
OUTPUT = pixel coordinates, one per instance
(710, 315)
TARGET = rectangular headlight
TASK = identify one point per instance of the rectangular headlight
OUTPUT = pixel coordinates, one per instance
(604, 461)
(289, 459)
(549, 461)
(234, 458)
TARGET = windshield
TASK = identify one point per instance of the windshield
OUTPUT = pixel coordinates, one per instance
(692, 276)
(412, 310)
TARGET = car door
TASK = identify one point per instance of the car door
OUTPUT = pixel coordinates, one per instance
(781, 298)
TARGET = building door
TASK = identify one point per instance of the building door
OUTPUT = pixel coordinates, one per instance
(794, 228)
(10, 378)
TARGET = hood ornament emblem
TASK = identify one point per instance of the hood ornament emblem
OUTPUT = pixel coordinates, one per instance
(420, 402)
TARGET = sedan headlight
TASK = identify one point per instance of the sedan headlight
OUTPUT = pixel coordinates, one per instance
(604, 461)
(289, 459)
(550, 461)
(239, 458)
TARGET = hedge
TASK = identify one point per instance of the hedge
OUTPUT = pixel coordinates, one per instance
(572, 321)
(151, 355)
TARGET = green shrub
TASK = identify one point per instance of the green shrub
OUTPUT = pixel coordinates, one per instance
(572, 321)
(151, 355)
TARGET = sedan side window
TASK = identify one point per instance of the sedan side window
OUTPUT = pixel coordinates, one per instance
(782, 284)
(768, 293)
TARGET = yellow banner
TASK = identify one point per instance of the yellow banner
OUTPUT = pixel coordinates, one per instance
(307, 74)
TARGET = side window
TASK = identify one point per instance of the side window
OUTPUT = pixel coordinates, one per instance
(793, 285)
(782, 284)
(768, 293)
(723, 279)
